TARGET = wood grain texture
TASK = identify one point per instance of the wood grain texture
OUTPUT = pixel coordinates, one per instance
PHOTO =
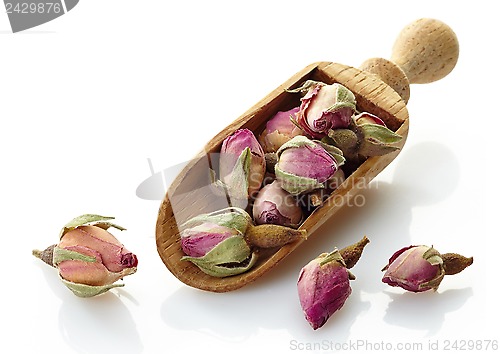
(190, 193)
(427, 50)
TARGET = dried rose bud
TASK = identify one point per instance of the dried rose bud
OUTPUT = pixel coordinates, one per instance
(366, 136)
(305, 165)
(279, 129)
(89, 258)
(215, 242)
(323, 284)
(421, 268)
(242, 164)
(324, 107)
(202, 233)
(274, 205)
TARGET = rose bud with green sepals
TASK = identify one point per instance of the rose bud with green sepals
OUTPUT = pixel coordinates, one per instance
(242, 164)
(324, 107)
(279, 129)
(89, 258)
(202, 233)
(323, 284)
(366, 136)
(215, 242)
(323, 288)
(274, 205)
(422, 268)
(375, 139)
(305, 165)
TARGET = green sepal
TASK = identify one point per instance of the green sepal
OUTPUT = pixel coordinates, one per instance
(232, 217)
(345, 99)
(83, 290)
(337, 153)
(333, 256)
(379, 133)
(223, 259)
(235, 185)
(296, 185)
(61, 254)
(434, 258)
(296, 142)
(376, 140)
(371, 147)
(238, 187)
(221, 271)
(345, 95)
(305, 86)
(106, 225)
(89, 219)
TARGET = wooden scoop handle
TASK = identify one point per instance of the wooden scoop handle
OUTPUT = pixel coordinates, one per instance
(425, 51)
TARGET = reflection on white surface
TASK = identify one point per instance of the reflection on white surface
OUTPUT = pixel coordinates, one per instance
(102, 324)
(238, 316)
(429, 171)
(108, 326)
(424, 312)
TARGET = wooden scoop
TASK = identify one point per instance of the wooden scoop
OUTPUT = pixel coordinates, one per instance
(425, 51)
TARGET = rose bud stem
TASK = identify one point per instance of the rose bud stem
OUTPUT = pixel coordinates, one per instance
(47, 255)
(271, 161)
(454, 263)
(269, 235)
(352, 253)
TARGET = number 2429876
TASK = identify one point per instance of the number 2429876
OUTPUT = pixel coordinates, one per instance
(33, 8)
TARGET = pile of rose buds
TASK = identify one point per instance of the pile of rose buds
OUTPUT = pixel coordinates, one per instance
(273, 182)
(281, 177)
(302, 151)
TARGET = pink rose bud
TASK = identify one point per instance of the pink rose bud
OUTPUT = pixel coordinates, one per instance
(304, 165)
(215, 240)
(323, 284)
(202, 233)
(368, 118)
(421, 268)
(89, 258)
(279, 129)
(242, 164)
(324, 107)
(274, 205)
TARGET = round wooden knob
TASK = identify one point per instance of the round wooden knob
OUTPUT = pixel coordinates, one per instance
(425, 51)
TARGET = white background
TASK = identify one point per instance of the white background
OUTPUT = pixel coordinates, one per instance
(87, 99)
